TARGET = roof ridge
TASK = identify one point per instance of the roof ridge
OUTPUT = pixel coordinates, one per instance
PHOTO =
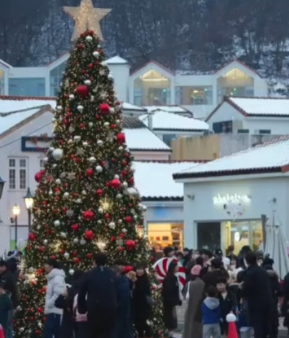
(23, 110)
(22, 98)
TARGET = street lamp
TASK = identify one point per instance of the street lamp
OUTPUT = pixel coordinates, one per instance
(29, 201)
(1, 186)
(16, 213)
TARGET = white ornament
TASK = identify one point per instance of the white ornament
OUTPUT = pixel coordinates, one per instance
(95, 54)
(57, 223)
(124, 230)
(112, 110)
(63, 234)
(100, 210)
(84, 192)
(77, 138)
(57, 154)
(132, 191)
(88, 38)
(66, 195)
(111, 225)
(99, 221)
(85, 144)
(87, 82)
(92, 159)
(71, 96)
(119, 196)
(82, 241)
(76, 240)
(78, 201)
(30, 270)
(70, 141)
(99, 169)
(110, 76)
(125, 184)
(100, 142)
(45, 242)
(80, 108)
(50, 192)
(45, 159)
(71, 272)
(58, 181)
(54, 165)
(66, 255)
(106, 124)
(120, 221)
(59, 108)
(116, 177)
(120, 148)
(71, 129)
(51, 149)
(90, 124)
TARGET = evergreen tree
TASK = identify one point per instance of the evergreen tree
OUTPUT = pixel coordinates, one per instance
(86, 200)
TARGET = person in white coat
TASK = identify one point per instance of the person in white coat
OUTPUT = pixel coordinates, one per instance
(55, 287)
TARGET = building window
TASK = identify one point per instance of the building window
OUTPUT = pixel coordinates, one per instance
(243, 131)
(168, 138)
(56, 75)
(224, 127)
(17, 173)
(235, 83)
(194, 96)
(152, 88)
(162, 235)
(265, 131)
(27, 87)
(2, 82)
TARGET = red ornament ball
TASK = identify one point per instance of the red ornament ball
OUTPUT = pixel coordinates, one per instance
(76, 260)
(128, 219)
(89, 172)
(75, 227)
(104, 108)
(99, 192)
(88, 235)
(120, 138)
(130, 244)
(38, 176)
(115, 183)
(88, 215)
(31, 237)
(89, 255)
(82, 91)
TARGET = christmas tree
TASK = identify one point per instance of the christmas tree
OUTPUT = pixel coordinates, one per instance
(86, 200)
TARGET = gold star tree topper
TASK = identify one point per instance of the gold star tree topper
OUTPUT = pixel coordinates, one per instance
(86, 17)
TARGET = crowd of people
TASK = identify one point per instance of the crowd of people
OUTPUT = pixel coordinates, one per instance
(217, 285)
(116, 302)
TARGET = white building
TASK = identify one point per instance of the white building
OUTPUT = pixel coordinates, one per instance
(151, 85)
(225, 200)
(254, 116)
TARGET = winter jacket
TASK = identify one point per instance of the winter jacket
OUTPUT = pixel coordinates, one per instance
(10, 286)
(227, 304)
(5, 306)
(124, 297)
(170, 291)
(257, 289)
(211, 311)
(55, 287)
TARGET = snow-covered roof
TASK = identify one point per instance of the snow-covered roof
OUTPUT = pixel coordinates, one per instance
(129, 106)
(162, 120)
(10, 120)
(141, 139)
(117, 60)
(159, 176)
(10, 103)
(4, 64)
(267, 158)
(169, 109)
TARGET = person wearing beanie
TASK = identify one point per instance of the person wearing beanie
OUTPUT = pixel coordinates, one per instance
(193, 327)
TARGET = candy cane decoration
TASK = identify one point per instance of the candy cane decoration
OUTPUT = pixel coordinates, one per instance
(162, 267)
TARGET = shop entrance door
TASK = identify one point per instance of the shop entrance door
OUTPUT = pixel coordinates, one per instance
(209, 235)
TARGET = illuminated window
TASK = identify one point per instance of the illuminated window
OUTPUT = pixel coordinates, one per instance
(152, 88)
(194, 95)
(235, 83)
(55, 78)
(162, 235)
(2, 82)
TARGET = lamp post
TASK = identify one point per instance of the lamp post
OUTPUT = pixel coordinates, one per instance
(16, 213)
(29, 201)
(1, 187)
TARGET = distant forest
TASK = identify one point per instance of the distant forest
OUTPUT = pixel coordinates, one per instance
(190, 35)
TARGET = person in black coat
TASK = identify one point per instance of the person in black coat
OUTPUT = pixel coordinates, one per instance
(171, 297)
(256, 289)
(9, 281)
(100, 288)
(142, 302)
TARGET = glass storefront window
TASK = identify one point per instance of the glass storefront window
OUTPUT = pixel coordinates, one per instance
(27, 86)
(55, 78)
(235, 83)
(161, 235)
(2, 82)
(152, 88)
(240, 233)
(194, 95)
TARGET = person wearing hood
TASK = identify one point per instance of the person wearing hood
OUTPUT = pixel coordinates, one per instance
(276, 293)
(171, 298)
(211, 313)
(55, 287)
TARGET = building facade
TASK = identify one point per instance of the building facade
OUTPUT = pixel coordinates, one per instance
(151, 85)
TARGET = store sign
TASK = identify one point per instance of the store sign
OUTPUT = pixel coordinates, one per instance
(225, 199)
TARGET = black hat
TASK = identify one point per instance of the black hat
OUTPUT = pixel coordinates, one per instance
(218, 252)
